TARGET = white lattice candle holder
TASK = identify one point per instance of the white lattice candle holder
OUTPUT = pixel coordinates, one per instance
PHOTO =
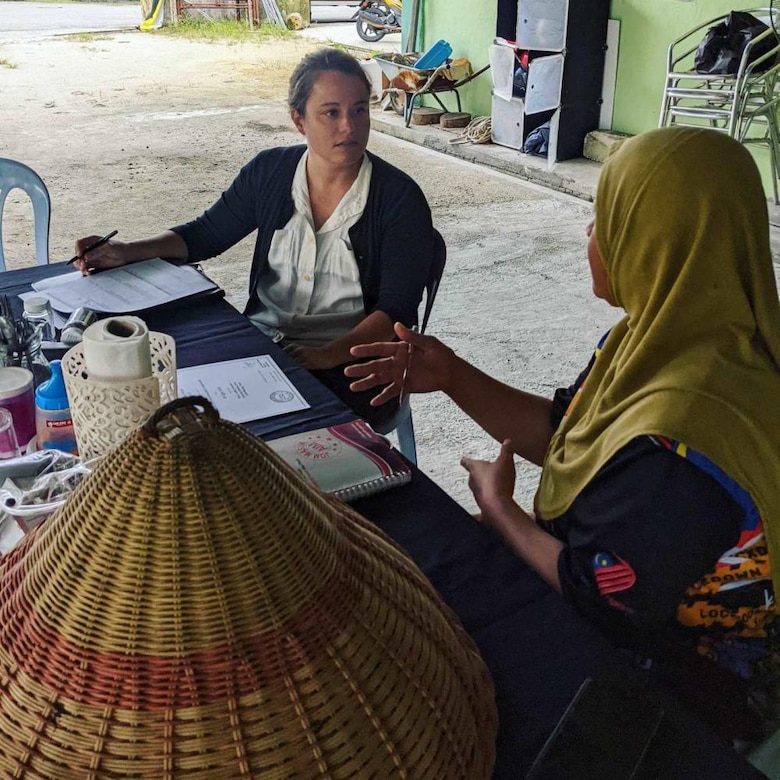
(105, 413)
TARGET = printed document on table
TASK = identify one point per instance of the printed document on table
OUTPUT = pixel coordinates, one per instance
(243, 390)
(121, 290)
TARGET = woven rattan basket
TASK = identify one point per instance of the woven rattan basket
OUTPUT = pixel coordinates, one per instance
(105, 413)
(196, 610)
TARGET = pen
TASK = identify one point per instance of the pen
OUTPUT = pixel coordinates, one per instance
(409, 352)
(97, 243)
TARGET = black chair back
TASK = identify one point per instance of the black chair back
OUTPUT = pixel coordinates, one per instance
(437, 269)
(401, 421)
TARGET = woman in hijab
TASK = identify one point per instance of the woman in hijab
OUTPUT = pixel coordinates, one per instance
(658, 509)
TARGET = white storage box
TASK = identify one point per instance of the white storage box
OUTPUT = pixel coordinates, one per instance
(502, 69)
(507, 119)
(541, 24)
(545, 77)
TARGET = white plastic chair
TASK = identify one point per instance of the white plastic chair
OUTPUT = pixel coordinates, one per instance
(736, 104)
(13, 175)
(401, 421)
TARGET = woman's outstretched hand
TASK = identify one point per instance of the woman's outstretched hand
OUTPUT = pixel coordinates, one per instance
(426, 362)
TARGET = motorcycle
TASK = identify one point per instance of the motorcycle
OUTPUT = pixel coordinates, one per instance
(377, 19)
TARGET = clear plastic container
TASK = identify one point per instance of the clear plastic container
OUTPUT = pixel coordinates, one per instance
(37, 310)
(53, 422)
(31, 356)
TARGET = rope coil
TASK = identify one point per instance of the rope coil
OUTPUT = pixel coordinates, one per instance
(477, 131)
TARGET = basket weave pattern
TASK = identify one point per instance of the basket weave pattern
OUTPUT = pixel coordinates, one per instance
(106, 413)
(196, 610)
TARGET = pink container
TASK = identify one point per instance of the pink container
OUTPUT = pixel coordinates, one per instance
(16, 395)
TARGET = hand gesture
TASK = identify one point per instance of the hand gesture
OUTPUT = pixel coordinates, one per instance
(426, 362)
(109, 255)
(493, 485)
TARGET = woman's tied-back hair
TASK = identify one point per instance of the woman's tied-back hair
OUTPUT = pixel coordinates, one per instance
(312, 65)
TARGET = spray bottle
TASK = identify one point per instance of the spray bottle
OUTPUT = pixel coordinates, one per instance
(53, 422)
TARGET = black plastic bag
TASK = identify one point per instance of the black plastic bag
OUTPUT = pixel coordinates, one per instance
(538, 140)
(721, 49)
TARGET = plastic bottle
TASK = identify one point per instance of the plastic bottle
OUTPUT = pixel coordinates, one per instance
(37, 310)
(53, 422)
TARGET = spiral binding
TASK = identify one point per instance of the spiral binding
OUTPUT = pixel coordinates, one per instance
(373, 486)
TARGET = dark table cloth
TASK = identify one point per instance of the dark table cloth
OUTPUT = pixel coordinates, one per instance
(538, 649)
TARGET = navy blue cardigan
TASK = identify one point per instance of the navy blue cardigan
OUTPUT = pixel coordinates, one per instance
(392, 240)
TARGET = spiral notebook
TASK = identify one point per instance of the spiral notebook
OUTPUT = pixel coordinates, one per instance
(348, 460)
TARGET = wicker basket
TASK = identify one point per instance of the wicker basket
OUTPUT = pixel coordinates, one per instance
(105, 413)
(197, 610)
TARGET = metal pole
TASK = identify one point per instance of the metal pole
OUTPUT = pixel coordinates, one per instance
(411, 38)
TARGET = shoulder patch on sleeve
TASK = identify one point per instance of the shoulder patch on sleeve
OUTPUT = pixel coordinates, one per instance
(612, 574)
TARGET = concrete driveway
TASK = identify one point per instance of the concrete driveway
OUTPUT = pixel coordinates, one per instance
(25, 21)
(333, 23)
(35, 21)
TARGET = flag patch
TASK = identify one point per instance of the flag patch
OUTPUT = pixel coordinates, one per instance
(612, 574)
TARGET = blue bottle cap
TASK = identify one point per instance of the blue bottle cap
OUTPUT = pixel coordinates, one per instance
(52, 394)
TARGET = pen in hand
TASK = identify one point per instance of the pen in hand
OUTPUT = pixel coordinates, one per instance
(409, 352)
(97, 243)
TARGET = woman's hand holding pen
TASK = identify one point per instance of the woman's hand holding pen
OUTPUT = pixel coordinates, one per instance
(111, 254)
(426, 362)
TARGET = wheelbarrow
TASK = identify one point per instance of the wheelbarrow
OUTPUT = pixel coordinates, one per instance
(407, 82)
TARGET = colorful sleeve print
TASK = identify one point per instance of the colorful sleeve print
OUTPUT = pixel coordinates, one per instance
(732, 608)
(737, 595)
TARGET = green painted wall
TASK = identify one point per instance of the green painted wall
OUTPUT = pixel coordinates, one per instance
(469, 27)
(647, 27)
(646, 30)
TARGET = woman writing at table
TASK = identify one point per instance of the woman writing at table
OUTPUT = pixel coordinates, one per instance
(344, 239)
(658, 510)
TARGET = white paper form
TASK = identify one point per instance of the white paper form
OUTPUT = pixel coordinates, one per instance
(243, 390)
(122, 290)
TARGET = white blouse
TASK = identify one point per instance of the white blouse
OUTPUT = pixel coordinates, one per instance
(310, 290)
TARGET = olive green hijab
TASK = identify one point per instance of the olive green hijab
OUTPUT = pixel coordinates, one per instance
(681, 225)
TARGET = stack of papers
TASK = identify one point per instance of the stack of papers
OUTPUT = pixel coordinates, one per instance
(127, 289)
